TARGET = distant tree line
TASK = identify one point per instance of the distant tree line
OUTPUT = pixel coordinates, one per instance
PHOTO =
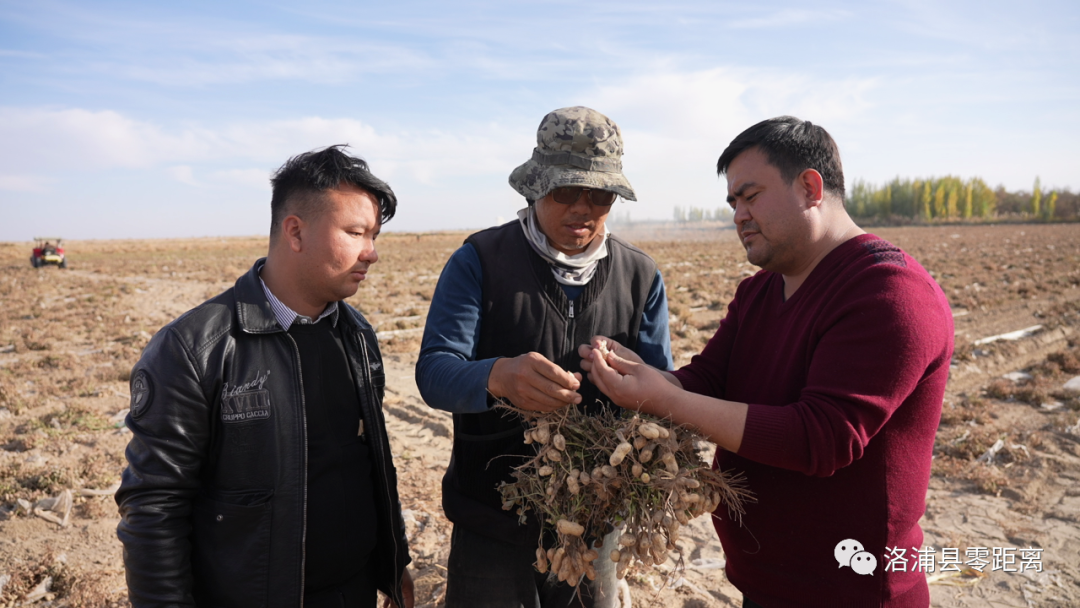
(951, 198)
(700, 214)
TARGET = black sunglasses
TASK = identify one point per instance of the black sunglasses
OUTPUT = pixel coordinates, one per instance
(568, 195)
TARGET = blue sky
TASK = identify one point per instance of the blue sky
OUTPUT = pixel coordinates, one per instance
(135, 119)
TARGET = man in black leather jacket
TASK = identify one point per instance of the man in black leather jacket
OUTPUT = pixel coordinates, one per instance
(259, 468)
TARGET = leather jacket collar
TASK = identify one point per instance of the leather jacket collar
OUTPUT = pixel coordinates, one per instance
(252, 309)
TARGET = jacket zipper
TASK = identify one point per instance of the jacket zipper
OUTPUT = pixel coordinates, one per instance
(376, 440)
(569, 337)
(303, 418)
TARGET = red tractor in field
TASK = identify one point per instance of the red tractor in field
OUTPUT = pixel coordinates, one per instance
(49, 250)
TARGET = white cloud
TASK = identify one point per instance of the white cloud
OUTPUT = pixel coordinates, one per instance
(176, 47)
(34, 137)
(31, 139)
(700, 106)
(687, 105)
(24, 183)
(248, 178)
(675, 124)
(109, 140)
(183, 174)
(788, 17)
(230, 60)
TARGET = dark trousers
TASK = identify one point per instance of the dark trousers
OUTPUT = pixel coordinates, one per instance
(360, 592)
(484, 572)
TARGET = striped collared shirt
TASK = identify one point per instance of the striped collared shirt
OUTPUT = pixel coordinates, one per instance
(286, 316)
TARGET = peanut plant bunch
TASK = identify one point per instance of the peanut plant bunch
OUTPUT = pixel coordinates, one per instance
(592, 473)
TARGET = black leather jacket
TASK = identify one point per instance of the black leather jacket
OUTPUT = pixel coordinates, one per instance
(214, 498)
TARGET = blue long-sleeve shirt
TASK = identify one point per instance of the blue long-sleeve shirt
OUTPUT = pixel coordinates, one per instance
(447, 373)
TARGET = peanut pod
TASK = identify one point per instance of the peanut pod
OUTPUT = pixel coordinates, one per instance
(570, 528)
(619, 454)
(541, 560)
(559, 442)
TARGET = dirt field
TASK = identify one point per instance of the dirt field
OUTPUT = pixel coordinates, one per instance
(68, 339)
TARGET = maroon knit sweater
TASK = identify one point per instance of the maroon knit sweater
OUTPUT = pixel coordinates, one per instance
(845, 382)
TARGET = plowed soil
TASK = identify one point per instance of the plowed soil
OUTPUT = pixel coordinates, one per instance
(68, 339)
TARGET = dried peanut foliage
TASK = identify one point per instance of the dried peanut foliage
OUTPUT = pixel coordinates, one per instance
(595, 472)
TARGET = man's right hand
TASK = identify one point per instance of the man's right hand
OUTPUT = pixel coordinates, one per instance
(532, 382)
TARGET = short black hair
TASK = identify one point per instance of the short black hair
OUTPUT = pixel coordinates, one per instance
(298, 182)
(792, 146)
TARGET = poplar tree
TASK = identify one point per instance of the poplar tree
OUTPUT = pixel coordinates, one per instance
(904, 197)
(924, 200)
(985, 201)
(939, 200)
(1036, 198)
(857, 198)
(947, 198)
(885, 206)
(952, 200)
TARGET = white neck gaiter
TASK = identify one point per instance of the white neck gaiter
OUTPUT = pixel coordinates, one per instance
(568, 269)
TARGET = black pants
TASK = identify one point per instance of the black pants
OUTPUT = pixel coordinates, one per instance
(360, 592)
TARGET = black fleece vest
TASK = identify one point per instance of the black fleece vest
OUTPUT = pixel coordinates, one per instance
(524, 309)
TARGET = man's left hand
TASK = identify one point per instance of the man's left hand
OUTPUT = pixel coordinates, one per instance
(636, 386)
(630, 384)
(406, 592)
(608, 345)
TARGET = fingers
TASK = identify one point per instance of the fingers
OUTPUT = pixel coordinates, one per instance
(599, 361)
(620, 365)
(554, 387)
(532, 382)
(544, 404)
(601, 344)
(623, 381)
(560, 376)
(602, 375)
(584, 351)
(620, 350)
(543, 399)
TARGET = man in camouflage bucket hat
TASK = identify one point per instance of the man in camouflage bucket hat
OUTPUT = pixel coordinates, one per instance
(574, 147)
(511, 307)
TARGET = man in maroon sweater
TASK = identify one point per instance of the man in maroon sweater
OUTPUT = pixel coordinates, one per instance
(823, 384)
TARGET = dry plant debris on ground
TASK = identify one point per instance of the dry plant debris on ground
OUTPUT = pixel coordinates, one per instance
(68, 339)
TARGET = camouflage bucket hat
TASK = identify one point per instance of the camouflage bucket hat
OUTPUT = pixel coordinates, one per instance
(575, 146)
